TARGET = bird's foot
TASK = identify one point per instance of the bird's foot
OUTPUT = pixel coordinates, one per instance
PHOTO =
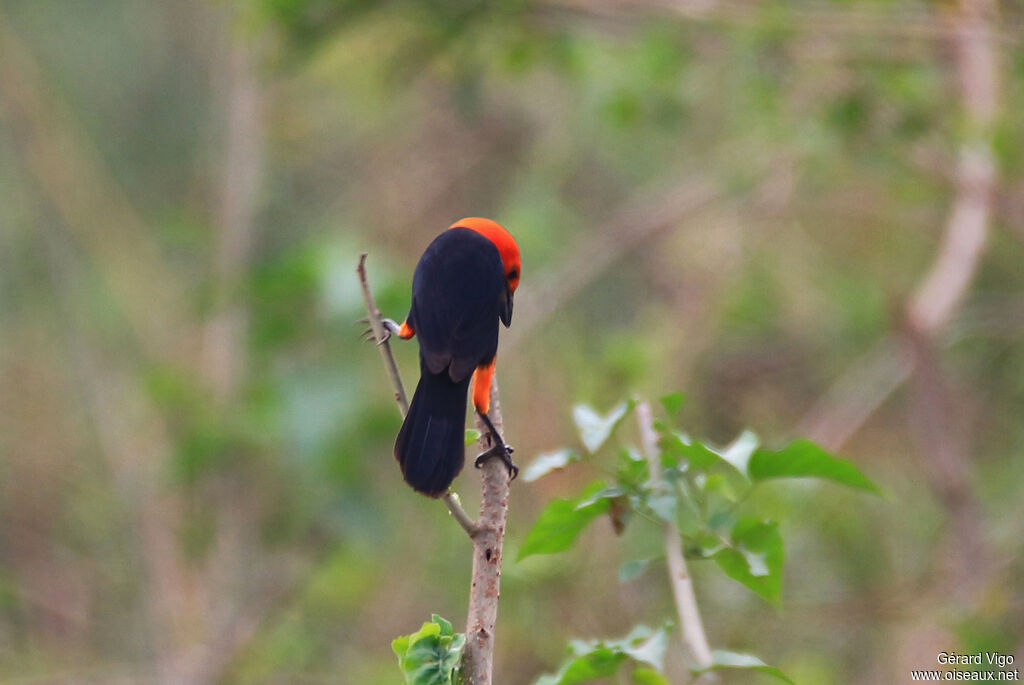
(503, 452)
(391, 327)
(499, 449)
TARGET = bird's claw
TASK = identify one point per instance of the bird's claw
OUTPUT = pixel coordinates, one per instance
(390, 327)
(503, 452)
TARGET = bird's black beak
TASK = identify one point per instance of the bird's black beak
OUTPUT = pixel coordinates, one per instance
(506, 310)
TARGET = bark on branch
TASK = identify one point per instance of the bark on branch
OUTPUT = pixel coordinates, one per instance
(488, 541)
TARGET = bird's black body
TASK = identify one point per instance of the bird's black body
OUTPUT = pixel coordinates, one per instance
(459, 294)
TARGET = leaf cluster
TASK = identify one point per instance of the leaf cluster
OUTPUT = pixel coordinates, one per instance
(703, 489)
(431, 655)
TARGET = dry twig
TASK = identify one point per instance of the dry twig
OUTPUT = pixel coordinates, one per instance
(380, 335)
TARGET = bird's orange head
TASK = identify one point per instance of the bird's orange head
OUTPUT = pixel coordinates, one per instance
(502, 239)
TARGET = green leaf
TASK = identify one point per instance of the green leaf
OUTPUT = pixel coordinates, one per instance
(592, 496)
(721, 659)
(672, 403)
(716, 484)
(472, 435)
(703, 545)
(804, 459)
(633, 569)
(595, 429)
(740, 450)
(631, 473)
(646, 646)
(630, 454)
(648, 676)
(705, 457)
(696, 453)
(593, 659)
(755, 557)
(599, 663)
(564, 519)
(446, 625)
(664, 506)
(400, 645)
(431, 655)
(548, 462)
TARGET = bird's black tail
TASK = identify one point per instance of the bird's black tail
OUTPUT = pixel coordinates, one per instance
(431, 444)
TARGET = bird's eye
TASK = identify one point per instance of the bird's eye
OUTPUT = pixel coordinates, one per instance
(513, 274)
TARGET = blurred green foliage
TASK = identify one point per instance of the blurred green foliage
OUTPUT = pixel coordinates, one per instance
(160, 524)
(696, 493)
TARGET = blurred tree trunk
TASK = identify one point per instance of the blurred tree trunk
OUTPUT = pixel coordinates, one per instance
(94, 211)
(197, 617)
(936, 411)
(224, 336)
(231, 617)
(964, 561)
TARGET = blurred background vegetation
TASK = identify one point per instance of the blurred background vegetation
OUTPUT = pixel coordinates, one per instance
(809, 216)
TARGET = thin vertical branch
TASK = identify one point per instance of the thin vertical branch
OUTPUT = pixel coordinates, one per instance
(692, 628)
(380, 335)
(488, 541)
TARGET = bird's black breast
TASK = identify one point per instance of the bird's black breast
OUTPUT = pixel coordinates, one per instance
(457, 289)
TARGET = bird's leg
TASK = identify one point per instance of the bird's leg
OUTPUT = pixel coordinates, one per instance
(390, 327)
(499, 449)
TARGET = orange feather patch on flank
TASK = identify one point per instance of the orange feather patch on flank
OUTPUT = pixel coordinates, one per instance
(405, 331)
(482, 386)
